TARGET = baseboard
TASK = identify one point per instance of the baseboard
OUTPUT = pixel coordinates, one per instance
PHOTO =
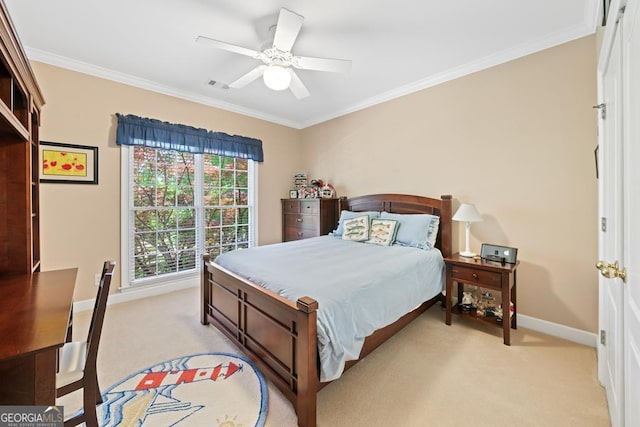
(132, 294)
(554, 329)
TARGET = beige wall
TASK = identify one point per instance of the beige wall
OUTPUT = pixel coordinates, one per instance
(516, 140)
(80, 224)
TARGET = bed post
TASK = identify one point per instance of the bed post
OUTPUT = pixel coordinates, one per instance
(445, 217)
(204, 290)
(307, 362)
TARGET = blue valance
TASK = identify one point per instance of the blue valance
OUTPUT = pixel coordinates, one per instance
(152, 133)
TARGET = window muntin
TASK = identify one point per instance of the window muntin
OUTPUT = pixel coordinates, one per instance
(226, 204)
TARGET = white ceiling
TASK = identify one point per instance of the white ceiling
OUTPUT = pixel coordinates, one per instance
(397, 47)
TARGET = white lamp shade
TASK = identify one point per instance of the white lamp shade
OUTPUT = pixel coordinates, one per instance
(276, 77)
(468, 213)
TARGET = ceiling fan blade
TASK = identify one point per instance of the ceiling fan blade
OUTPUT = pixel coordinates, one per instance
(228, 46)
(249, 77)
(321, 64)
(297, 87)
(287, 29)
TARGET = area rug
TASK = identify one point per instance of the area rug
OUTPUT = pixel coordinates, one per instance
(209, 389)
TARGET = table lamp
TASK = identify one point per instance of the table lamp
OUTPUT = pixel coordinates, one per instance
(467, 213)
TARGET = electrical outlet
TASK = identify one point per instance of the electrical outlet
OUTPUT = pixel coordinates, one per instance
(97, 279)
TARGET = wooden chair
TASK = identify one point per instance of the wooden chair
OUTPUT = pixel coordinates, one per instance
(77, 360)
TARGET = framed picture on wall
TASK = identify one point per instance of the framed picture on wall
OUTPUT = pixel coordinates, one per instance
(68, 163)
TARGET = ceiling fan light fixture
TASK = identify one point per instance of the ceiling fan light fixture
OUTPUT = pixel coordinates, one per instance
(276, 77)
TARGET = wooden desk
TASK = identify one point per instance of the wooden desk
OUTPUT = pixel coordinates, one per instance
(34, 313)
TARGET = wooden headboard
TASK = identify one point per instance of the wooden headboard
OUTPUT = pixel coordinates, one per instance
(408, 204)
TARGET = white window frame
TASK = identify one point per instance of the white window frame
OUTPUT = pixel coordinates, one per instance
(180, 279)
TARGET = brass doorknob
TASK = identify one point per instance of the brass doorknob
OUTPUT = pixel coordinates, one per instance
(603, 266)
(611, 271)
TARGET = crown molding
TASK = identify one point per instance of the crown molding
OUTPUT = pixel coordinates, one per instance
(573, 33)
(105, 73)
(593, 13)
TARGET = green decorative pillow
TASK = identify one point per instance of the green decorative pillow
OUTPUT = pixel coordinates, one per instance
(383, 232)
(356, 229)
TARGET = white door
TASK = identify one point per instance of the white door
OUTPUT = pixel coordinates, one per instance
(631, 109)
(611, 343)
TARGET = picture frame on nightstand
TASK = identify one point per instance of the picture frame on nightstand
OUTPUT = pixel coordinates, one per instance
(293, 194)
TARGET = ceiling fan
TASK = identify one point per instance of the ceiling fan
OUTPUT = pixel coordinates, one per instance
(277, 69)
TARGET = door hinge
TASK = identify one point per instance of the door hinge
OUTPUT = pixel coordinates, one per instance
(603, 110)
(603, 337)
(603, 224)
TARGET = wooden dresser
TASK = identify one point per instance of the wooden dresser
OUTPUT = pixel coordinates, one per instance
(304, 218)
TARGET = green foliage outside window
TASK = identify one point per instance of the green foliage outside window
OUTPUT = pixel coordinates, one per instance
(166, 218)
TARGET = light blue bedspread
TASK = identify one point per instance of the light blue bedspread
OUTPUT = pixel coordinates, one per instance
(359, 287)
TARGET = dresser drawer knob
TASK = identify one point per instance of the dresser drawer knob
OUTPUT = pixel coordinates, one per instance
(299, 219)
(475, 276)
(299, 234)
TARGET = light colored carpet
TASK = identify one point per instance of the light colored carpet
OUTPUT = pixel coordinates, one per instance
(429, 374)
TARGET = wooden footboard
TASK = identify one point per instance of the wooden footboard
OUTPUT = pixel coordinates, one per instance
(277, 334)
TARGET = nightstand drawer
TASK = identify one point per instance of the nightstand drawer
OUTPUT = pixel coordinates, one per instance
(293, 233)
(473, 275)
(302, 221)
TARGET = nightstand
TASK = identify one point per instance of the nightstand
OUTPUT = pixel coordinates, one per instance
(484, 274)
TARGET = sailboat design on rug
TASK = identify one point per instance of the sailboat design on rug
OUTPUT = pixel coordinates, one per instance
(193, 390)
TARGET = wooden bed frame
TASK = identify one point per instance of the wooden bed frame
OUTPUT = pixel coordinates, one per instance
(279, 335)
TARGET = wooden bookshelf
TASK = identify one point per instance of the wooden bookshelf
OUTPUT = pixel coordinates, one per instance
(20, 104)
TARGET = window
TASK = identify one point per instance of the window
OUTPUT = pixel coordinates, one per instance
(226, 204)
(181, 205)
